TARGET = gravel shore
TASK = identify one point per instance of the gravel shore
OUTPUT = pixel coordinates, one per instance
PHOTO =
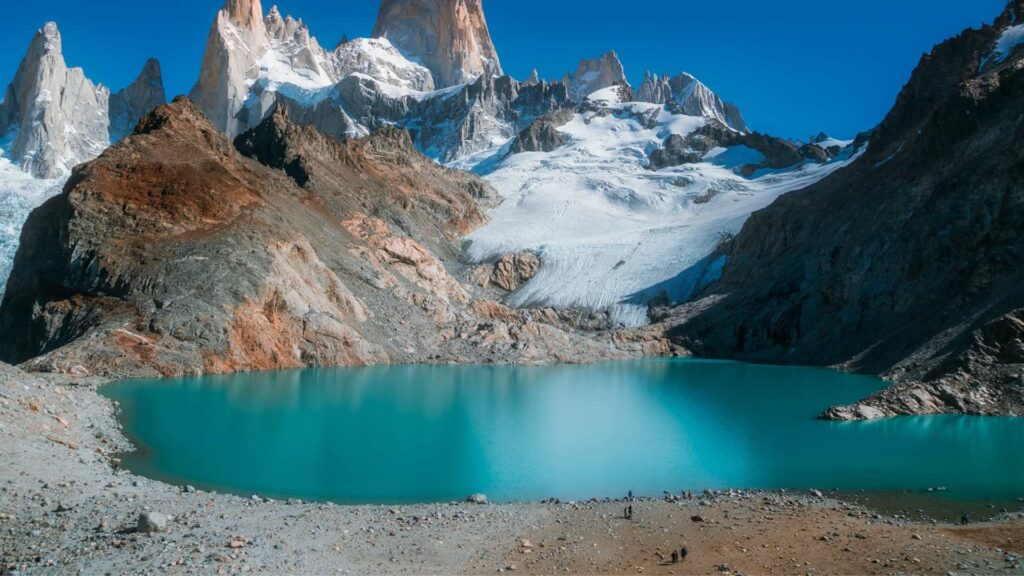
(66, 508)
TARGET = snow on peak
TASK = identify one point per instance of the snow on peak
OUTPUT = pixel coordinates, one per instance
(692, 97)
(380, 60)
(1010, 39)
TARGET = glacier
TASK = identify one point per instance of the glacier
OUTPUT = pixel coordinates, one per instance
(611, 234)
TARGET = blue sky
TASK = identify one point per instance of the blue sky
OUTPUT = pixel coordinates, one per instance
(795, 67)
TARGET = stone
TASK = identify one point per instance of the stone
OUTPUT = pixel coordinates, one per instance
(151, 523)
(477, 499)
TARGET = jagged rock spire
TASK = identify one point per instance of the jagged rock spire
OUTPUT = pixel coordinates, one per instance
(449, 37)
(136, 100)
(60, 116)
(596, 74)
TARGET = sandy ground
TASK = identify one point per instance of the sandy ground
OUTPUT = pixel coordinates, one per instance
(65, 508)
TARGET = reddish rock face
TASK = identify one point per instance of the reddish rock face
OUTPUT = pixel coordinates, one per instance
(449, 37)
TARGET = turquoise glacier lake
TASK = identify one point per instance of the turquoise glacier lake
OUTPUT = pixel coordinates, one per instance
(403, 434)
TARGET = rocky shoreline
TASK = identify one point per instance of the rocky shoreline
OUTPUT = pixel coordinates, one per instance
(66, 508)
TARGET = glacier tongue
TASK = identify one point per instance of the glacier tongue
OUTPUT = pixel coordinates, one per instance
(612, 234)
(20, 193)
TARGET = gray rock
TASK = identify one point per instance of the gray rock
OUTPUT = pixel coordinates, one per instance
(477, 499)
(151, 523)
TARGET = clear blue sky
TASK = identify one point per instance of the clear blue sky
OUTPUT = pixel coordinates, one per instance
(794, 67)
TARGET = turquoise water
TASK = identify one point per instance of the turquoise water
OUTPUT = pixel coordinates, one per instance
(439, 433)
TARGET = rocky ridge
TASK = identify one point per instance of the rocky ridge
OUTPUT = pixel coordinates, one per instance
(691, 97)
(594, 75)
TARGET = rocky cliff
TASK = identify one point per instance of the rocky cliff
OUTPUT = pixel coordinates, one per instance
(908, 262)
(449, 37)
(177, 251)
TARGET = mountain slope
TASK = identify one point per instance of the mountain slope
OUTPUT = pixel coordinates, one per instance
(612, 233)
(907, 262)
(175, 253)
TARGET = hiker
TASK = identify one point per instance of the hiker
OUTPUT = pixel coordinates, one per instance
(625, 513)
(964, 520)
(683, 553)
(630, 497)
(630, 512)
(675, 557)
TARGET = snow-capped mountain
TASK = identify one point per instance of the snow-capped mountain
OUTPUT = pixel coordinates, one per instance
(618, 197)
(52, 118)
(449, 37)
(691, 96)
(245, 46)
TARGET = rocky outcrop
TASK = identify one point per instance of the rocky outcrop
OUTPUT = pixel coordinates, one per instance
(687, 95)
(907, 262)
(508, 273)
(449, 37)
(596, 74)
(136, 100)
(177, 252)
(57, 116)
(543, 134)
(776, 153)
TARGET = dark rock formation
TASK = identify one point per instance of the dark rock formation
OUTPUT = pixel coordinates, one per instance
(542, 135)
(175, 253)
(908, 262)
(689, 149)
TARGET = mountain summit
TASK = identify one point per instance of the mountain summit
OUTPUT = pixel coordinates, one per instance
(55, 110)
(449, 37)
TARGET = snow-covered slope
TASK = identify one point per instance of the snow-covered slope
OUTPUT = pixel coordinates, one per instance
(612, 234)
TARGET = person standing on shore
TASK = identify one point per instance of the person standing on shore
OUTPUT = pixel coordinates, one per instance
(683, 553)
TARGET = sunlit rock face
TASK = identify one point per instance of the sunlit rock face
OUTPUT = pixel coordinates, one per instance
(53, 115)
(449, 37)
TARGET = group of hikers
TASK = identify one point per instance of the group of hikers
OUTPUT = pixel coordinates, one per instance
(627, 513)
